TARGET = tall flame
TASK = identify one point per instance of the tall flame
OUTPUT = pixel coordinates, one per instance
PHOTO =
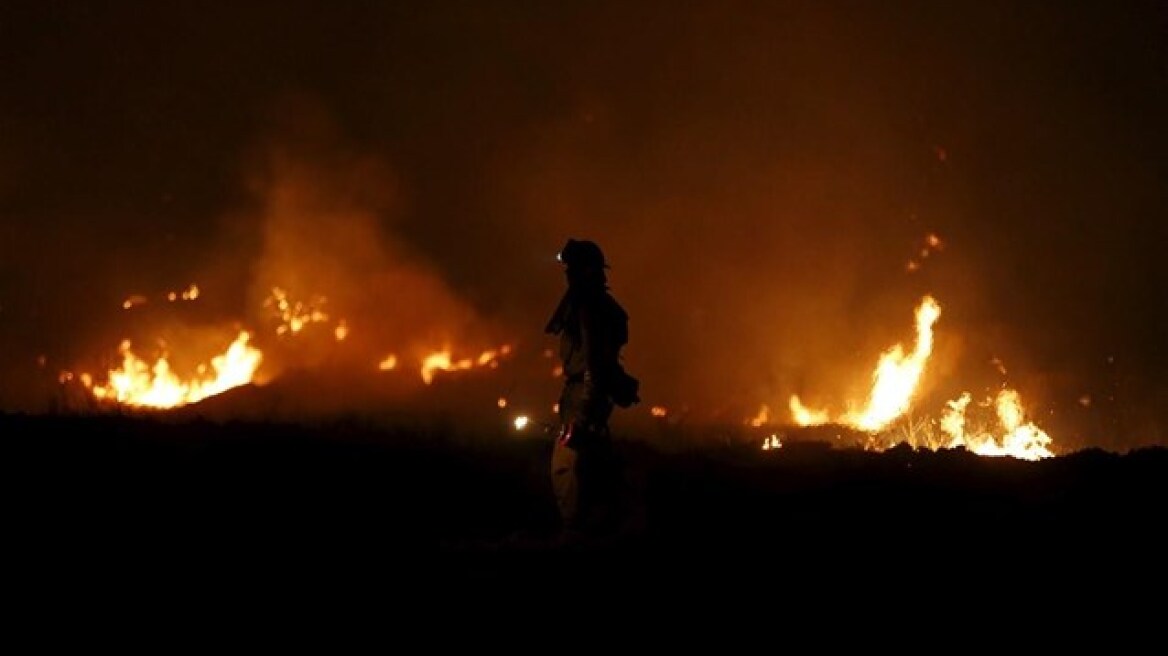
(894, 382)
(897, 375)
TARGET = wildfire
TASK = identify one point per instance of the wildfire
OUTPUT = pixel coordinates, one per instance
(137, 383)
(894, 385)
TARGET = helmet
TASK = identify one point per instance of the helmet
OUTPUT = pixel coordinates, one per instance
(582, 254)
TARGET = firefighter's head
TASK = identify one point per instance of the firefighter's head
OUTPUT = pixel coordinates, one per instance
(583, 261)
(582, 254)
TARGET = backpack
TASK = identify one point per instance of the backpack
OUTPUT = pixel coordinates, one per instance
(624, 387)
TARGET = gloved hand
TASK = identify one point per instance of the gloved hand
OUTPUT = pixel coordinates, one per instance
(567, 432)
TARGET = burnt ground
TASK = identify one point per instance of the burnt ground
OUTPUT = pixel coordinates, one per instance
(161, 509)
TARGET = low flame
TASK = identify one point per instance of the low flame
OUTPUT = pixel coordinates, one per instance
(444, 361)
(137, 383)
(805, 416)
(1018, 439)
(761, 418)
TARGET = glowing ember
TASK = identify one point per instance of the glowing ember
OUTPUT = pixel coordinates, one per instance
(191, 293)
(502, 402)
(136, 299)
(388, 364)
(933, 244)
(294, 316)
(341, 331)
(140, 384)
(658, 411)
(521, 422)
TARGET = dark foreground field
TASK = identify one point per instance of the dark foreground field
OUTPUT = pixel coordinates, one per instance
(155, 508)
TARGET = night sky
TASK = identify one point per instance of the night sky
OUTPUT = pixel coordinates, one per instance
(759, 175)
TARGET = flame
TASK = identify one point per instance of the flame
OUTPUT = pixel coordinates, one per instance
(388, 363)
(502, 402)
(805, 416)
(658, 411)
(894, 381)
(444, 361)
(1018, 439)
(521, 422)
(140, 384)
(760, 419)
(772, 442)
(897, 375)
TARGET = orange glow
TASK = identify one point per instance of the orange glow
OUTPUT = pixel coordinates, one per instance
(388, 363)
(658, 411)
(502, 402)
(137, 383)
